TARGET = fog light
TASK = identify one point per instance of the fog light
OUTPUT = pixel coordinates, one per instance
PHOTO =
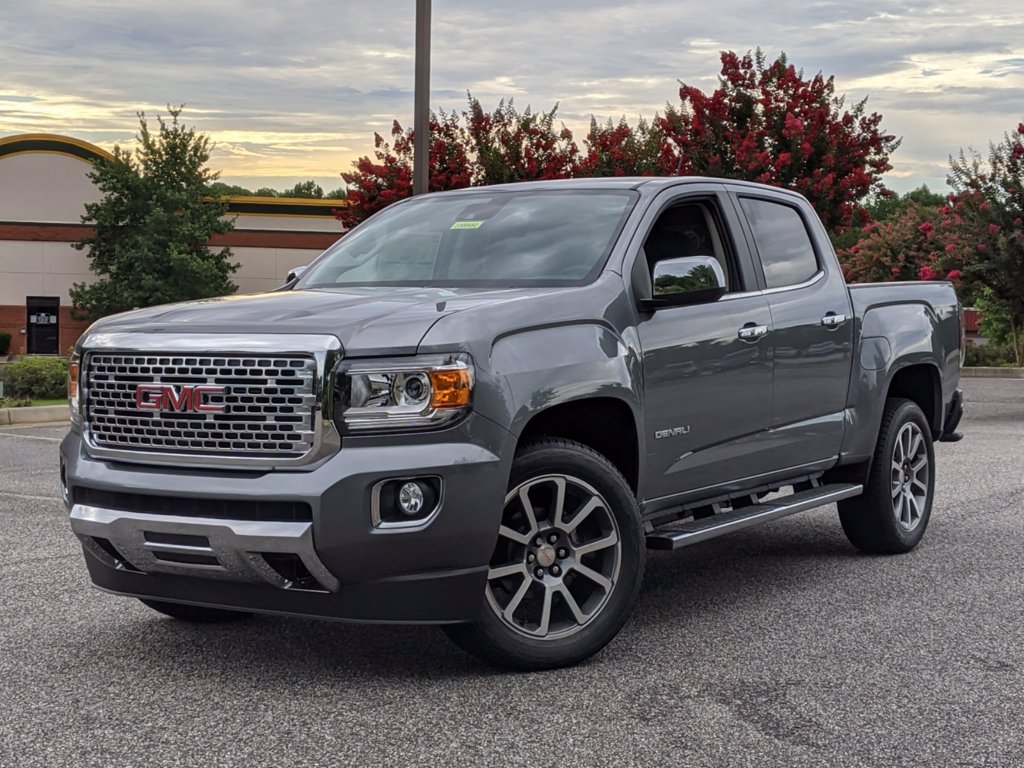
(405, 502)
(410, 499)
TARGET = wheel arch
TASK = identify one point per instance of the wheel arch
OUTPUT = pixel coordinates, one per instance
(921, 383)
(606, 424)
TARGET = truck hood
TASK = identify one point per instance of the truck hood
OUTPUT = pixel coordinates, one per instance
(368, 321)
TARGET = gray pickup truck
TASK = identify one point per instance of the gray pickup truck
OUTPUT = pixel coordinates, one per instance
(479, 408)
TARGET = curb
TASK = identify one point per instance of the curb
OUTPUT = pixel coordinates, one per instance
(987, 372)
(40, 414)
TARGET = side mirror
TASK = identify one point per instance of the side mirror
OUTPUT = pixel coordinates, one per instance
(295, 273)
(686, 280)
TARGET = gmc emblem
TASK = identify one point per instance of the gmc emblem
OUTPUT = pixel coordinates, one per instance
(184, 398)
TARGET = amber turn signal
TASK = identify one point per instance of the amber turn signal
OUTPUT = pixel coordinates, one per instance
(451, 388)
(73, 381)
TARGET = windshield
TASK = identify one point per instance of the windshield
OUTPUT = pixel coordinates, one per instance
(500, 239)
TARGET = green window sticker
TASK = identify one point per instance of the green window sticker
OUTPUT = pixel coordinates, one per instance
(467, 225)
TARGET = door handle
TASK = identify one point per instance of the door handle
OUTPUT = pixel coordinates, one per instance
(752, 332)
(833, 320)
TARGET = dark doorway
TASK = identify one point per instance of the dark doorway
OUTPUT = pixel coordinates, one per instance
(43, 325)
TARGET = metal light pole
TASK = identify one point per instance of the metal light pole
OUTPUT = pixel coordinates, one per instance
(421, 116)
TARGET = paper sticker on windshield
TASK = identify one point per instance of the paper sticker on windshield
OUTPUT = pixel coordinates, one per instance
(467, 225)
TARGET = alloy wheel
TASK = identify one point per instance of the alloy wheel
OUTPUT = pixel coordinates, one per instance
(557, 558)
(909, 476)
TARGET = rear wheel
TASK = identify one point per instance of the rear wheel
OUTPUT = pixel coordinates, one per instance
(892, 514)
(567, 566)
(198, 614)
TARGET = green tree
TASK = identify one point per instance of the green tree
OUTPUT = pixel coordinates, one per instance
(152, 227)
(883, 207)
(305, 189)
(221, 189)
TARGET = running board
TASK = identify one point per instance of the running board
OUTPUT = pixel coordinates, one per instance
(745, 517)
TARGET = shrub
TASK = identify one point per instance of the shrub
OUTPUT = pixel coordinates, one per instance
(5, 343)
(992, 355)
(14, 402)
(37, 378)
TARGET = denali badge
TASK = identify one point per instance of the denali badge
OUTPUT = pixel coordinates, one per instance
(674, 432)
(167, 397)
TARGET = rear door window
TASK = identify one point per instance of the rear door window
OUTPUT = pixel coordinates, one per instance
(782, 242)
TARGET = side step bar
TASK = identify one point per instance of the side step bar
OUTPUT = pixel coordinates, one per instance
(745, 517)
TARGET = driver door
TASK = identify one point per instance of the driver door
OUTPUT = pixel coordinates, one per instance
(707, 366)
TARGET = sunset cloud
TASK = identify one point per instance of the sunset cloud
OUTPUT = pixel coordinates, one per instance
(295, 90)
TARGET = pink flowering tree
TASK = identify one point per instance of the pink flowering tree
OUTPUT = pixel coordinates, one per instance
(987, 208)
(916, 244)
(768, 123)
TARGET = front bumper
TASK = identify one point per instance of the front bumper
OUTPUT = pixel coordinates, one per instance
(337, 564)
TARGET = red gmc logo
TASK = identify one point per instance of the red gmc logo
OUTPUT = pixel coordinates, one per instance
(185, 398)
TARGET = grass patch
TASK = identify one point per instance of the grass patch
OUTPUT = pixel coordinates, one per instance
(24, 402)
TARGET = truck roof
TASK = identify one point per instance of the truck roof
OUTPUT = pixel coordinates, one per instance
(616, 182)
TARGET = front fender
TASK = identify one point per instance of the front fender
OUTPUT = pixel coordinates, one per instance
(547, 366)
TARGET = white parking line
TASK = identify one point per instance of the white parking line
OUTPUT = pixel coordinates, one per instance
(32, 437)
(30, 498)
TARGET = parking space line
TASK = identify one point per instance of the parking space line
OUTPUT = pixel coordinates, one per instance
(32, 437)
(30, 498)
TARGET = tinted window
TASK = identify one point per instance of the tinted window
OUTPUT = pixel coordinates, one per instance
(484, 239)
(687, 230)
(782, 242)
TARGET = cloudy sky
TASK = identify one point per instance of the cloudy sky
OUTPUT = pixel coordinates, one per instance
(291, 89)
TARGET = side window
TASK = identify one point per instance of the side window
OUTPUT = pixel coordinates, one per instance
(689, 229)
(782, 242)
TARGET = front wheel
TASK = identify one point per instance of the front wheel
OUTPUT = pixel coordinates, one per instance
(892, 514)
(567, 567)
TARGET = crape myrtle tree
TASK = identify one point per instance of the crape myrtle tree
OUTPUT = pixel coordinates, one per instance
(376, 183)
(151, 228)
(619, 149)
(917, 242)
(766, 122)
(469, 148)
(987, 208)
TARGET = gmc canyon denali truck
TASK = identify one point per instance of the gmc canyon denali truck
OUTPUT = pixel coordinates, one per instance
(480, 407)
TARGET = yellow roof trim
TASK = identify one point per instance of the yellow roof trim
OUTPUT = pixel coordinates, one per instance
(56, 139)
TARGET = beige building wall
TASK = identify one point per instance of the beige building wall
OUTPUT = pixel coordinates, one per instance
(39, 268)
(45, 187)
(264, 269)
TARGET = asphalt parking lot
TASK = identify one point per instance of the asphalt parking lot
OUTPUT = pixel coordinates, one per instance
(776, 646)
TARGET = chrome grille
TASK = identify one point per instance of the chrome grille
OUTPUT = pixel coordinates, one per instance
(268, 401)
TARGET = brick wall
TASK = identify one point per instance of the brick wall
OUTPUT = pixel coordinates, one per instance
(13, 320)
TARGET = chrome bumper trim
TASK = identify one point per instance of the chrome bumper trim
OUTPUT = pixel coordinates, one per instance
(237, 546)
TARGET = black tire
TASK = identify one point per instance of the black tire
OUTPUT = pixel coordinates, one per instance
(872, 522)
(197, 614)
(588, 480)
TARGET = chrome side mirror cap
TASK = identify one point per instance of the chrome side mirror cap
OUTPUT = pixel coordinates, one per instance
(686, 280)
(295, 273)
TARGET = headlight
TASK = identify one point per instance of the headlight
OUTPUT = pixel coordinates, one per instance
(73, 380)
(411, 393)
